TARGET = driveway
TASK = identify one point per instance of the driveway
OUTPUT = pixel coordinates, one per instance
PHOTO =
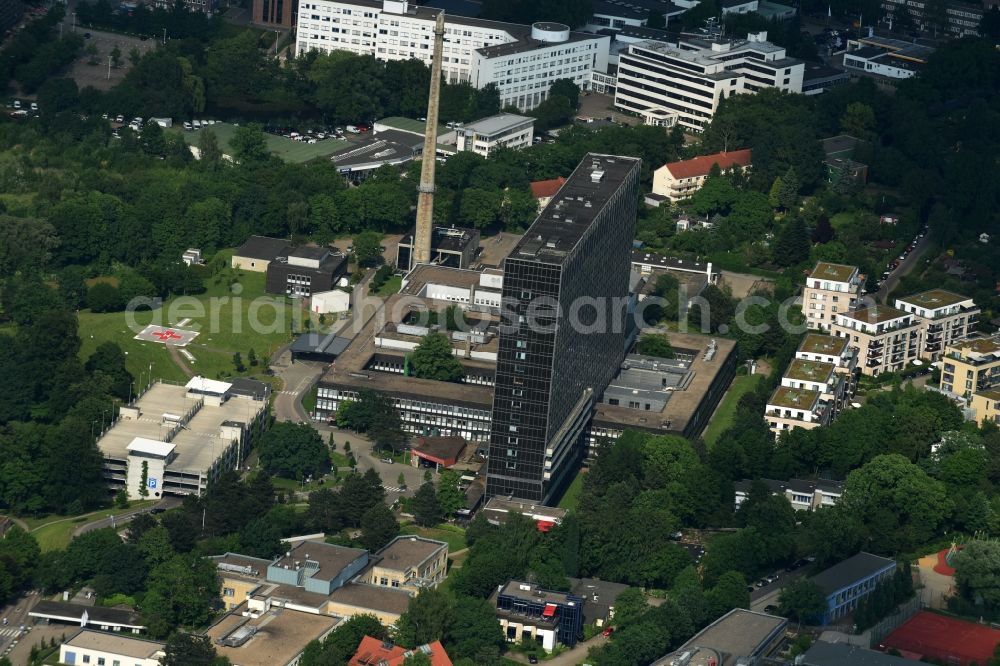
(577, 655)
(119, 519)
(768, 595)
(904, 268)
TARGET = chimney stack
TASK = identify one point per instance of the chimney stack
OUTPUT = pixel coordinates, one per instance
(425, 198)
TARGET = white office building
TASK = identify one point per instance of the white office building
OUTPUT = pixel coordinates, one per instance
(693, 76)
(504, 130)
(522, 61)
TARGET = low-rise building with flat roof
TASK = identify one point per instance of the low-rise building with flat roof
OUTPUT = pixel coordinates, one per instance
(838, 654)
(527, 611)
(240, 577)
(175, 439)
(385, 603)
(802, 494)
(437, 452)
(305, 271)
(505, 130)
(846, 583)
(497, 509)
(410, 563)
(317, 566)
(600, 595)
(450, 246)
(275, 637)
(258, 252)
(98, 647)
(97, 617)
(739, 637)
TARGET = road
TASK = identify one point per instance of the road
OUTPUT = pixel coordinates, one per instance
(768, 595)
(904, 268)
(119, 519)
(16, 616)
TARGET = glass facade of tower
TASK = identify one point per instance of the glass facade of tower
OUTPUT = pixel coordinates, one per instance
(562, 338)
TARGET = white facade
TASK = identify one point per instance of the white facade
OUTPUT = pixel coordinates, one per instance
(325, 302)
(523, 67)
(882, 64)
(830, 289)
(97, 648)
(503, 130)
(692, 77)
(524, 73)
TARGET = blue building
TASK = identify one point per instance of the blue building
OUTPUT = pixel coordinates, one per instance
(847, 583)
(317, 567)
(527, 611)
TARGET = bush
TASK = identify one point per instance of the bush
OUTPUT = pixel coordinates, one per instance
(104, 297)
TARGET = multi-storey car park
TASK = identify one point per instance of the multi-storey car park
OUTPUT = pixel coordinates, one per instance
(175, 439)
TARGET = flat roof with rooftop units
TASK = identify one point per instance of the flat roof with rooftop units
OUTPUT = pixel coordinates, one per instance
(810, 371)
(875, 314)
(275, 638)
(829, 345)
(738, 637)
(792, 398)
(407, 552)
(193, 431)
(934, 299)
(568, 217)
(833, 272)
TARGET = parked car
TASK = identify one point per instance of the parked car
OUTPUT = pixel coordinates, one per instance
(771, 609)
(532, 659)
(188, 126)
(120, 118)
(156, 510)
(772, 577)
(761, 583)
(352, 129)
(17, 104)
(388, 461)
(196, 124)
(608, 631)
(86, 35)
(34, 106)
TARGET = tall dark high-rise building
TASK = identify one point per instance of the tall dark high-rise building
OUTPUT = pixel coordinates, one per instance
(562, 339)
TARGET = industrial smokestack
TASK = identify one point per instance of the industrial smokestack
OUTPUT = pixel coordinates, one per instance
(425, 198)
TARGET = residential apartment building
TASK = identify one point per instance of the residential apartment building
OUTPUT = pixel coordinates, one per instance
(828, 349)
(506, 130)
(887, 339)
(970, 369)
(802, 494)
(694, 75)
(551, 371)
(790, 408)
(845, 584)
(680, 180)
(410, 563)
(526, 611)
(830, 289)
(947, 318)
(819, 376)
(522, 61)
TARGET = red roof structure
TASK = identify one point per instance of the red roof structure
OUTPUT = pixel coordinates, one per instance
(546, 188)
(375, 652)
(700, 166)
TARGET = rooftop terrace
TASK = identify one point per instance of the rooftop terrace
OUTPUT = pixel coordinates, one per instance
(833, 272)
(791, 398)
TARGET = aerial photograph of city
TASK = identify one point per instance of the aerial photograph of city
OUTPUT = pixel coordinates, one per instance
(499, 332)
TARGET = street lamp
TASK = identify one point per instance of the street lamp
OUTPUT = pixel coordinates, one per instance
(109, 68)
(164, 36)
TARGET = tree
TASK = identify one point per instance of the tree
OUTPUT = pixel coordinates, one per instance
(426, 509)
(208, 148)
(116, 57)
(427, 618)
(144, 479)
(858, 121)
(433, 359)
(729, 592)
(802, 600)
(716, 195)
(104, 297)
(367, 248)
(791, 247)
(185, 649)
(249, 144)
(655, 345)
(134, 56)
(378, 527)
(293, 450)
(788, 192)
(977, 574)
(449, 495)
(107, 365)
(568, 89)
(92, 53)
(238, 362)
(553, 112)
(180, 593)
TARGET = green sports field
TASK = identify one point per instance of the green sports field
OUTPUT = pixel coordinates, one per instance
(286, 149)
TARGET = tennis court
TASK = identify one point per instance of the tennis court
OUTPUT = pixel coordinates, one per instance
(286, 149)
(955, 642)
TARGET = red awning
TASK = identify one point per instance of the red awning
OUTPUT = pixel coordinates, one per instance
(545, 525)
(550, 610)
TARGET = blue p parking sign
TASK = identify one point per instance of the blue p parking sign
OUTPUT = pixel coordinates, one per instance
(151, 483)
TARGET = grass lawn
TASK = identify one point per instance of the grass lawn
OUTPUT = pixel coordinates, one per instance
(286, 149)
(339, 459)
(54, 532)
(452, 535)
(571, 497)
(723, 416)
(227, 322)
(391, 286)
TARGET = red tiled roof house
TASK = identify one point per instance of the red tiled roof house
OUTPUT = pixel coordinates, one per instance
(680, 180)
